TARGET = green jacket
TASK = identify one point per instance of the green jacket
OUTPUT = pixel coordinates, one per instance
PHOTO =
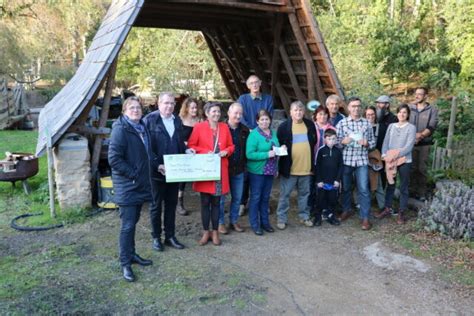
(257, 151)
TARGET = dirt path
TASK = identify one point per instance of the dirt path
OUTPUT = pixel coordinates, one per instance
(298, 271)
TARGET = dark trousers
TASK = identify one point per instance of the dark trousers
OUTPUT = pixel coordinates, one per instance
(182, 186)
(419, 169)
(312, 200)
(129, 214)
(210, 205)
(167, 194)
(404, 173)
(246, 191)
(326, 200)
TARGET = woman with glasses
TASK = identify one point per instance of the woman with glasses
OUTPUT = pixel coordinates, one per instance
(129, 153)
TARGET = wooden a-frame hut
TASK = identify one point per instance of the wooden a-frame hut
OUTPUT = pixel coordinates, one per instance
(278, 40)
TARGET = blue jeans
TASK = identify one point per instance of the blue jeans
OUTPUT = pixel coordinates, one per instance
(302, 184)
(362, 180)
(260, 189)
(129, 214)
(236, 188)
(404, 173)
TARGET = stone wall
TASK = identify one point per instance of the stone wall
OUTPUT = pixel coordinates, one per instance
(73, 172)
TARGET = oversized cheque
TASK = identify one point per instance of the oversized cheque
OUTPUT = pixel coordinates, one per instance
(190, 168)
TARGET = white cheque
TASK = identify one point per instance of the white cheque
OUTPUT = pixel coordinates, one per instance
(190, 168)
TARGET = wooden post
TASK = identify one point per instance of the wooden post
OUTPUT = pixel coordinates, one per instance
(452, 121)
(50, 157)
(103, 120)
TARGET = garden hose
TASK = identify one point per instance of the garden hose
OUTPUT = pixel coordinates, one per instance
(14, 225)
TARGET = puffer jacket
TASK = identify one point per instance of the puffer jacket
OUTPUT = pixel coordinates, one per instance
(130, 164)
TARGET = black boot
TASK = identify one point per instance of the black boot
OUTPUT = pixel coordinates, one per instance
(128, 273)
(180, 208)
(317, 219)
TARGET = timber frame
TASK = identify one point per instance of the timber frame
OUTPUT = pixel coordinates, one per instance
(277, 40)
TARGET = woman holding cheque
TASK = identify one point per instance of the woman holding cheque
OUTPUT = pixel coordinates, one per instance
(212, 137)
(262, 166)
(129, 158)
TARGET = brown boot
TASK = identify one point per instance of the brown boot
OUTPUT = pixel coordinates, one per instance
(215, 238)
(205, 238)
(400, 218)
(222, 229)
(366, 224)
(386, 212)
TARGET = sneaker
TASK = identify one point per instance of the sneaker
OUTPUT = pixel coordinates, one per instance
(281, 226)
(394, 212)
(325, 214)
(307, 223)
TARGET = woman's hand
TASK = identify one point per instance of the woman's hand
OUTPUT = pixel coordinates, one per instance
(223, 153)
(320, 185)
(271, 154)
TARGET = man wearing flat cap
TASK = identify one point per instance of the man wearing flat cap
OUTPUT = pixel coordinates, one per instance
(384, 118)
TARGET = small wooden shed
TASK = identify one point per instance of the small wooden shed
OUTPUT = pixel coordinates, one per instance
(278, 40)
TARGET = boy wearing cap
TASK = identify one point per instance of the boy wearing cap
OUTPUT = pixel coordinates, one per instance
(329, 166)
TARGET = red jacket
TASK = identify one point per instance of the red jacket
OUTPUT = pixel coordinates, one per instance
(202, 141)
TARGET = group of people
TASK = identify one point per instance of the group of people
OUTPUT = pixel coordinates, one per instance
(319, 157)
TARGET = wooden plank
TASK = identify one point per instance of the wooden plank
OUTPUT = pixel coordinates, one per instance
(253, 60)
(232, 91)
(275, 57)
(238, 5)
(294, 82)
(103, 120)
(311, 72)
(219, 43)
(319, 41)
(236, 52)
(285, 100)
(89, 130)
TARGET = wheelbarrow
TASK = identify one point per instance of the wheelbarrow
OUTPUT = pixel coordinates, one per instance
(19, 167)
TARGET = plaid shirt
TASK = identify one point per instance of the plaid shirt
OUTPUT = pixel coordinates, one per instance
(353, 155)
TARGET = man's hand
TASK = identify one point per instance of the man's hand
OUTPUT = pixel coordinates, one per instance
(161, 169)
(320, 184)
(336, 184)
(347, 140)
(418, 138)
(363, 142)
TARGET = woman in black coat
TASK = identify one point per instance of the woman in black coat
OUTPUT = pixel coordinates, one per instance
(129, 152)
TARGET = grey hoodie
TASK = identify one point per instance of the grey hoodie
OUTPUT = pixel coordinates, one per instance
(426, 118)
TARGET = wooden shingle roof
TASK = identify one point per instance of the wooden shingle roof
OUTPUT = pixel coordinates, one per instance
(278, 40)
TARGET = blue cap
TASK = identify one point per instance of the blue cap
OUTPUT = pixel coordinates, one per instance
(313, 105)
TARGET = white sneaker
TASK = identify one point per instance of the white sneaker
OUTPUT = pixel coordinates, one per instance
(281, 226)
(307, 223)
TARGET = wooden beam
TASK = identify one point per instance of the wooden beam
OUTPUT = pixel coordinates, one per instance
(238, 4)
(276, 45)
(103, 119)
(319, 41)
(89, 130)
(232, 91)
(253, 59)
(311, 72)
(237, 51)
(289, 69)
(284, 99)
(219, 43)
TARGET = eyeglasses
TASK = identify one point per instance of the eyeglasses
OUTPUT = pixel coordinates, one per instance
(169, 103)
(135, 108)
(254, 83)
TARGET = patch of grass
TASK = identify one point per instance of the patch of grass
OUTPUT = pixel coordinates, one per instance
(453, 256)
(240, 304)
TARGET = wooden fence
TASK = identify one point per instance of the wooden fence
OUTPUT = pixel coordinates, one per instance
(461, 157)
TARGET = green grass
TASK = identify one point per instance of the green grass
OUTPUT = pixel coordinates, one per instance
(14, 201)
